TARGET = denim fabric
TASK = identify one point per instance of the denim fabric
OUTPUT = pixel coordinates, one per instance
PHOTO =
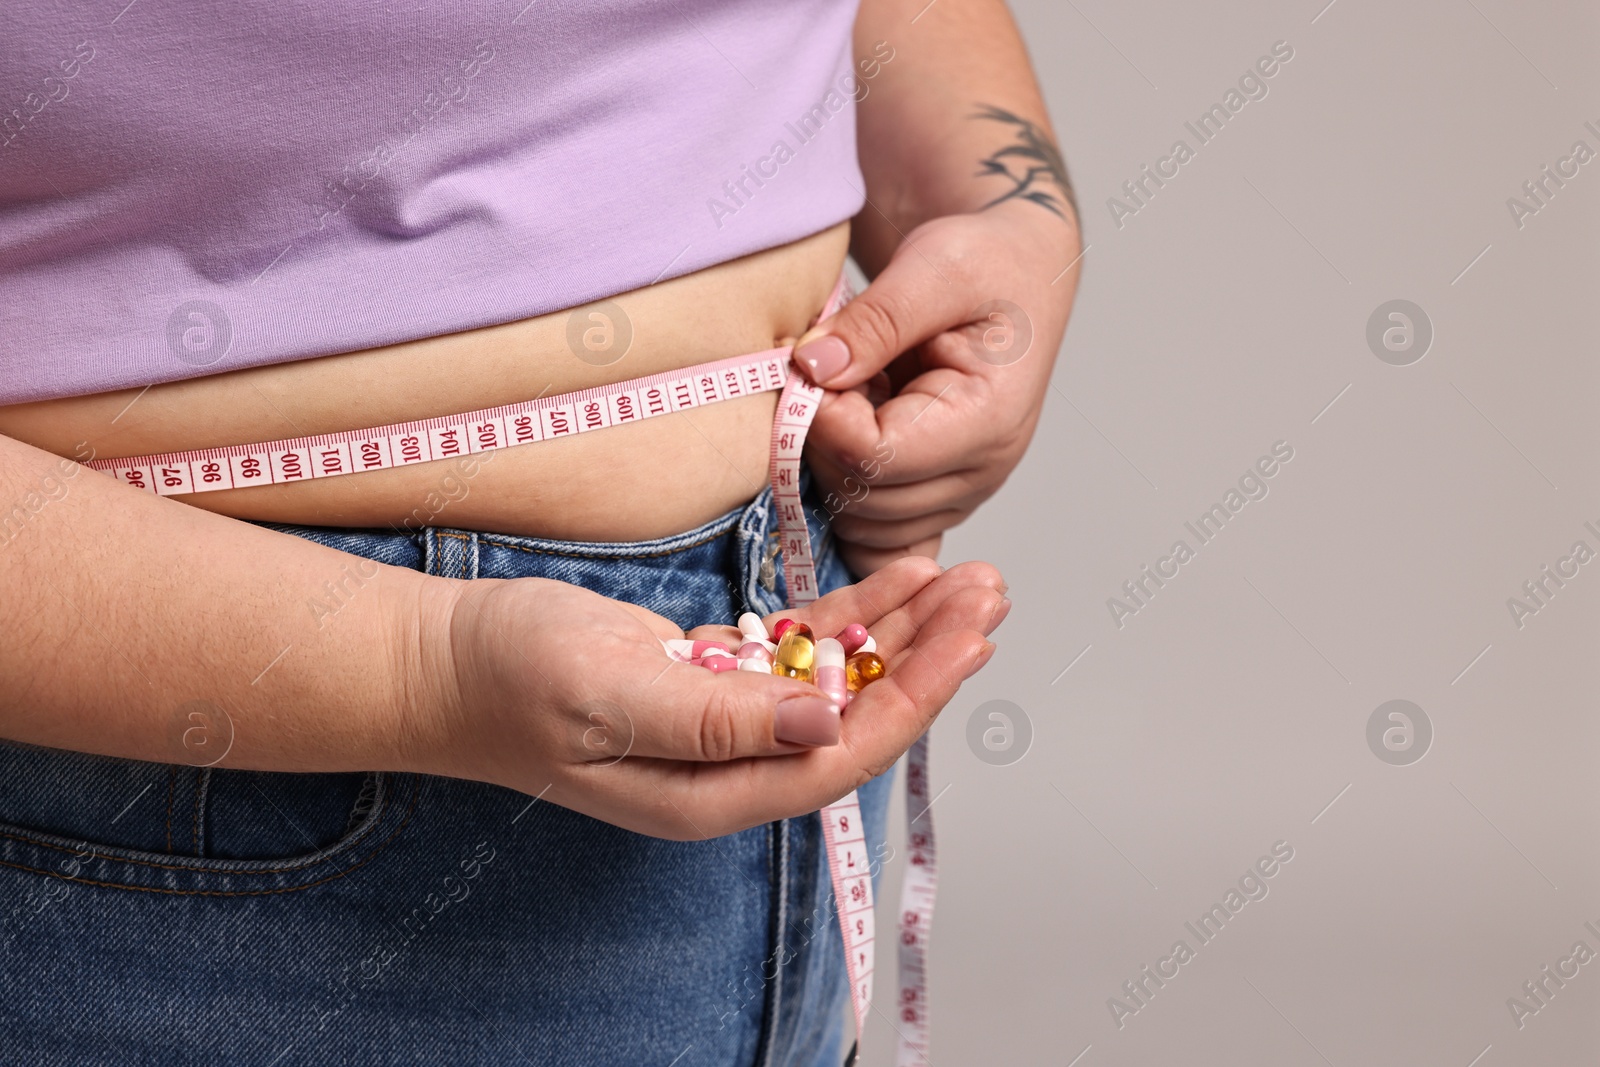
(176, 915)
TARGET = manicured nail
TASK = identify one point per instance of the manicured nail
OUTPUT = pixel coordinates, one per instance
(983, 657)
(826, 357)
(806, 721)
(1001, 610)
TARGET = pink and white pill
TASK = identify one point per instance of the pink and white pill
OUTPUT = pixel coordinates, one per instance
(718, 664)
(830, 674)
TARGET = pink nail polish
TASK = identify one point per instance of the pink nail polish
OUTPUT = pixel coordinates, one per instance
(806, 720)
(824, 357)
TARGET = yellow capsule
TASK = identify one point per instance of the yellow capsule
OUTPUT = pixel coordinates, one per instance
(862, 669)
(797, 653)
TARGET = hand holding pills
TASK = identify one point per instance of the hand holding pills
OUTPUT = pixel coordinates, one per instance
(552, 690)
(797, 654)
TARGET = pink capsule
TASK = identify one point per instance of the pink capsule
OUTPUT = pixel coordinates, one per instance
(830, 675)
(718, 664)
(852, 637)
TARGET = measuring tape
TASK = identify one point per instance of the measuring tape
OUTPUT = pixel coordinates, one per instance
(332, 455)
(842, 831)
(403, 444)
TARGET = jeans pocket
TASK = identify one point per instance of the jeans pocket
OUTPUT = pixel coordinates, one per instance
(186, 830)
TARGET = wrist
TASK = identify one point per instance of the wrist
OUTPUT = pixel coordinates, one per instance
(425, 704)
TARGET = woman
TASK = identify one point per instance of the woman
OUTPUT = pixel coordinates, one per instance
(392, 767)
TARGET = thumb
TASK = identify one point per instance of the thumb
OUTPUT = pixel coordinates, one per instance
(905, 305)
(689, 713)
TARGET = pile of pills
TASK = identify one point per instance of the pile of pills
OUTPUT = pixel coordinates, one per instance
(840, 666)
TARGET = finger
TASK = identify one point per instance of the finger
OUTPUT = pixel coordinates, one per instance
(895, 628)
(866, 561)
(847, 492)
(905, 305)
(867, 601)
(874, 534)
(726, 635)
(939, 422)
(664, 628)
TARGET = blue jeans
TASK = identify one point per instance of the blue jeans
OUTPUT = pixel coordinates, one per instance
(180, 915)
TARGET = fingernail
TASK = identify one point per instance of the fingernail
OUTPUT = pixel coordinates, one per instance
(806, 721)
(983, 657)
(826, 357)
(1001, 610)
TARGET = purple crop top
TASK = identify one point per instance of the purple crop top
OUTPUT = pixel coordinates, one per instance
(191, 187)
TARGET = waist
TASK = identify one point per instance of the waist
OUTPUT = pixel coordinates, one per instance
(632, 481)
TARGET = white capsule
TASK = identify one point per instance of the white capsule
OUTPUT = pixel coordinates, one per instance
(752, 627)
(869, 645)
(830, 653)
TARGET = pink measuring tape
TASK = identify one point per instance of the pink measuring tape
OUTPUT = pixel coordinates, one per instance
(354, 451)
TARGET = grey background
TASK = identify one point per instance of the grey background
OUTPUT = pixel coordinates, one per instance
(1225, 716)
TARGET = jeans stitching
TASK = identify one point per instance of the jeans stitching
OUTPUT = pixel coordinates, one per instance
(780, 890)
(347, 844)
(600, 556)
(172, 792)
(199, 793)
(243, 892)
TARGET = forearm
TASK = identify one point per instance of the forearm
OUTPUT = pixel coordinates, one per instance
(953, 123)
(125, 610)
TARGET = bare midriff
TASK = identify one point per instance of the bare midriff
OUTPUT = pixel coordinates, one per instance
(632, 482)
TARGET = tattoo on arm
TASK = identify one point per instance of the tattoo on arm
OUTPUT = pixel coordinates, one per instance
(1031, 163)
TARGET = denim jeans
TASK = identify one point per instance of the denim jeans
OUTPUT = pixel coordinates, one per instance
(181, 915)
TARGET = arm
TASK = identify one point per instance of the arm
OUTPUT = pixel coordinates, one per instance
(968, 203)
(124, 608)
(953, 124)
